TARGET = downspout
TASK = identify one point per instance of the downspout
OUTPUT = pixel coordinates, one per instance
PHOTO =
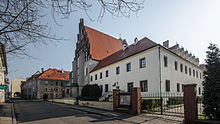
(159, 71)
(161, 99)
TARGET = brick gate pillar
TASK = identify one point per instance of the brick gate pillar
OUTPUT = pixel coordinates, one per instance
(116, 99)
(136, 101)
(190, 103)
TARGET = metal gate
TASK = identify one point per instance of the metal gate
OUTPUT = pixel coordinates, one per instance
(169, 104)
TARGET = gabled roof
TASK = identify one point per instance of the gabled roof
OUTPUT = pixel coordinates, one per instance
(54, 74)
(133, 49)
(35, 75)
(102, 45)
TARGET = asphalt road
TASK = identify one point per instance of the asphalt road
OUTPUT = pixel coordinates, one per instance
(40, 112)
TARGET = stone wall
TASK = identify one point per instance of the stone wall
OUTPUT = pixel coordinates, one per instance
(96, 104)
(65, 101)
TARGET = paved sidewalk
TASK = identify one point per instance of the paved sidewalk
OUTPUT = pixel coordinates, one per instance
(101, 112)
(141, 119)
(6, 114)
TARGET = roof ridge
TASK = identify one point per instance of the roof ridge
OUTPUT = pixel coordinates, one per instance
(141, 46)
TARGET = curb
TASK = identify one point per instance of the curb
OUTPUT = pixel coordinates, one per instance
(72, 106)
(14, 120)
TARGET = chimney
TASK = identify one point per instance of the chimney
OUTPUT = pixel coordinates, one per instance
(125, 44)
(42, 70)
(166, 44)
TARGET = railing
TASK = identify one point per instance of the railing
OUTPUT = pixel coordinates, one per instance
(163, 103)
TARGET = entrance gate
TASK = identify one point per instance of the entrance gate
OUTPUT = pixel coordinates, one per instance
(169, 104)
(127, 101)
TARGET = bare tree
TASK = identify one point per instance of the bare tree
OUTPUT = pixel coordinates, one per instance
(116, 8)
(20, 24)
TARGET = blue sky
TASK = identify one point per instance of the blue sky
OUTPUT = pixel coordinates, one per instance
(192, 24)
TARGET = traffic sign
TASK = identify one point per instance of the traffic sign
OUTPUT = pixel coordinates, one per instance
(3, 87)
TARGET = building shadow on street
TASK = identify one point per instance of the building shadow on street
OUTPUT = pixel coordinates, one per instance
(34, 110)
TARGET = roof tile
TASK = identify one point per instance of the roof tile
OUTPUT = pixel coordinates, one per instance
(133, 49)
(102, 45)
(54, 74)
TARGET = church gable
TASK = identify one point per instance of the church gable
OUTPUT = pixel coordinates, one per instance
(95, 44)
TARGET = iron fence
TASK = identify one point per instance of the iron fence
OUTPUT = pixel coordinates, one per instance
(163, 103)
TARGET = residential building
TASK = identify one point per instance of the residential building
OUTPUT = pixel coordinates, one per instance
(47, 84)
(3, 74)
(16, 87)
(148, 65)
(91, 47)
(111, 63)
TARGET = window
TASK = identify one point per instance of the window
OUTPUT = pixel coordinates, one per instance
(197, 74)
(193, 73)
(106, 73)
(189, 71)
(67, 90)
(165, 61)
(178, 87)
(181, 67)
(176, 65)
(199, 91)
(182, 88)
(128, 67)
(87, 71)
(91, 78)
(56, 95)
(46, 82)
(101, 75)
(167, 85)
(106, 88)
(142, 63)
(101, 87)
(144, 86)
(56, 83)
(51, 89)
(56, 89)
(118, 70)
(95, 76)
(185, 69)
(46, 89)
(130, 86)
(200, 75)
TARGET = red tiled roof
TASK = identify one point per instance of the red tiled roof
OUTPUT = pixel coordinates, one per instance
(141, 45)
(102, 45)
(54, 74)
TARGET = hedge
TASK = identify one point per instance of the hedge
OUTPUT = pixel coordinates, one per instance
(175, 100)
(150, 103)
(91, 92)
